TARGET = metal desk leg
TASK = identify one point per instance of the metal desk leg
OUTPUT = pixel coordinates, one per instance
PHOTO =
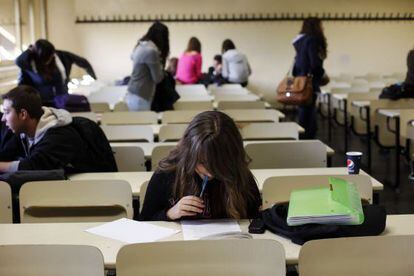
(344, 101)
(367, 120)
(329, 118)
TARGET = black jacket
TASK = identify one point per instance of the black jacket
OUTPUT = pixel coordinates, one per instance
(308, 60)
(159, 199)
(56, 86)
(60, 148)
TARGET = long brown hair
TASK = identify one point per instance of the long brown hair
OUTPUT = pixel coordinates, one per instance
(44, 58)
(213, 140)
(194, 45)
(313, 26)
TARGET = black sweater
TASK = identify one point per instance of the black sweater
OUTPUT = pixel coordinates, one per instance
(159, 199)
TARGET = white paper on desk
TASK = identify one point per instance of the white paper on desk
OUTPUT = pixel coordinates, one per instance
(131, 231)
(197, 229)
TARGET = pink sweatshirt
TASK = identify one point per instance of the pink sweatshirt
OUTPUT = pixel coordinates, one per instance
(189, 68)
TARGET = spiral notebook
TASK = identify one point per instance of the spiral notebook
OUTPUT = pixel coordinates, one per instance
(340, 204)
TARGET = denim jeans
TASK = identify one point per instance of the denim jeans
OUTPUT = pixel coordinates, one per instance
(136, 103)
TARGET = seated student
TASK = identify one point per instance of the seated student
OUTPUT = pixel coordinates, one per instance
(236, 68)
(189, 64)
(47, 135)
(211, 148)
(48, 69)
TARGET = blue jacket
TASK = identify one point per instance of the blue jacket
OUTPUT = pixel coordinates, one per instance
(58, 85)
(308, 60)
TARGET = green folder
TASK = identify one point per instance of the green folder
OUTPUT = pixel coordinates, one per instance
(338, 204)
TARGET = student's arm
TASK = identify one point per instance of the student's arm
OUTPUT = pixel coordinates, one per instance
(155, 66)
(249, 69)
(315, 60)
(23, 61)
(55, 150)
(198, 65)
(224, 68)
(156, 198)
(80, 61)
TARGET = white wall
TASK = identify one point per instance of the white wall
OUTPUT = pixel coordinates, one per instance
(354, 47)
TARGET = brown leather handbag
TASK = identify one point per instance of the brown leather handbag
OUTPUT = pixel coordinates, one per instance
(295, 90)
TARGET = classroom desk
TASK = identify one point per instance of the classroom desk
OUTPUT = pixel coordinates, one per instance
(136, 179)
(147, 147)
(74, 234)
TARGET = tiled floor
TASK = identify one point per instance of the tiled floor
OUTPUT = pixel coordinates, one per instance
(382, 167)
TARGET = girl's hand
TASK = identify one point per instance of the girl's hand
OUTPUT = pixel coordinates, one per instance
(186, 206)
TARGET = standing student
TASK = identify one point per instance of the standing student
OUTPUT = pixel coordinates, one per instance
(409, 79)
(205, 176)
(149, 58)
(235, 67)
(190, 62)
(48, 70)
(311, 51)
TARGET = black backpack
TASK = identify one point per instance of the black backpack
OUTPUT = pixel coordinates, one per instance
(100, 152)
(165, 94)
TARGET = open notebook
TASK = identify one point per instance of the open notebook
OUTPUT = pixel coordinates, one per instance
(340, 204)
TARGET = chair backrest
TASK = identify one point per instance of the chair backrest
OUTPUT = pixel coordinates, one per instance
(129, 158)
(270, 131)
(253, 115)
(193, 105)
(277, 189)
(75, 201)
(129, 118)
(142, 193)
(100, 107)
(89, 115)
(158, 153)
(51, 260)
(241, 105)
(192, 89)
(171, 132)
(120, 106)
(6, 214)
(287, 154)
(388, 104)
(108, 94)
(128, 133)
(239, 97)
(203, 257)
(359, 256)
(178, 116)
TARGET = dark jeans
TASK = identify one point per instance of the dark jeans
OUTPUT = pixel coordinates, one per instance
(307, 120)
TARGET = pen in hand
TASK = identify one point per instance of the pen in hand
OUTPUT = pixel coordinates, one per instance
(203, 186)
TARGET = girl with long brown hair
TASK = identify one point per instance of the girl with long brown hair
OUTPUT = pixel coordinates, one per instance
(205, 176)
(190, 62)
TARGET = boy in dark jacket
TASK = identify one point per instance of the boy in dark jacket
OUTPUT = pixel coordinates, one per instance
(48, 138)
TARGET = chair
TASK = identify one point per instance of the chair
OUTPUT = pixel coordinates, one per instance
(193, 105)
(51, 260)
(287, 154)
(129, 118)
(178, 116)
(75, 201)
(203, 257)
(171, 132)
(358, 256)
(158, 153)
(129, 158)
(120, 106)
(89, 115)
(277, 189)
(128, 133)
(6, 214)
(253, 115)
(108, 94)
(241, 105)
(142, 193)
(270, 131)
(100, 107)
(239, 97)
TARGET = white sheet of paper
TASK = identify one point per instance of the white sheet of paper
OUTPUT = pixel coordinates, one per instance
(131, 231)
(197, 229)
